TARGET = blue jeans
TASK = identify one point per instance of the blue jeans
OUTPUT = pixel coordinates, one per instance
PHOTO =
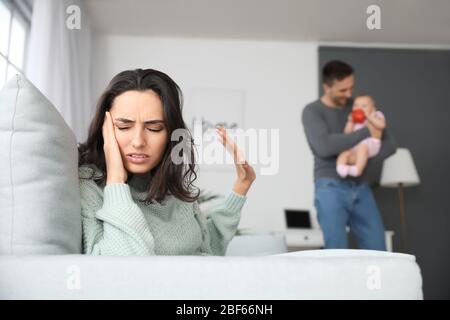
(341, 203)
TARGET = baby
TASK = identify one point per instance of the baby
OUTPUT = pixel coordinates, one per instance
(353, 161)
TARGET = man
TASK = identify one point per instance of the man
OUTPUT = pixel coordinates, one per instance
(343, 202)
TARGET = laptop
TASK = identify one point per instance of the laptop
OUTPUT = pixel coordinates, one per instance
(297, 219)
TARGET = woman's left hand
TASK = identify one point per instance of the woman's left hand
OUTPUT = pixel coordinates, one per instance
(245, 173)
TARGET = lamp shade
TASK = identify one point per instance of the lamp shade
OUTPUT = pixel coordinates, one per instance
(399, 168)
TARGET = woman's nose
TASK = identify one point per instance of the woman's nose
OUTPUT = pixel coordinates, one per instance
(138, 139)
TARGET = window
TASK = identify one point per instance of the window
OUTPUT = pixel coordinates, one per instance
(14, 31)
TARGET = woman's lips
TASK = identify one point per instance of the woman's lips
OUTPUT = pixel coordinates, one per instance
(137, 159)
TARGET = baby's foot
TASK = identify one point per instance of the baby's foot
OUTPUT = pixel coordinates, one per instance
(342, 170)
(353, 171)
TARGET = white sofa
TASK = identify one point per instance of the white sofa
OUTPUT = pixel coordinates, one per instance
(40, 237)
(315, 274)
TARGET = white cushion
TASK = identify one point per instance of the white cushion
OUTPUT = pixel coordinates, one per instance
(40, 209)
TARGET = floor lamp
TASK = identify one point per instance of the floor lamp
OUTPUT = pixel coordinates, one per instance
(399, 172)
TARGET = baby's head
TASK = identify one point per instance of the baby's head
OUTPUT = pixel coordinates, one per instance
(365, 102)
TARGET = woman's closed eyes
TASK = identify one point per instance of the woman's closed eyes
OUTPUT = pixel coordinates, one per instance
(155, 125)
(149, 129)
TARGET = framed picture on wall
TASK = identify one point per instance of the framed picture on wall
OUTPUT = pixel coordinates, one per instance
(207, 108)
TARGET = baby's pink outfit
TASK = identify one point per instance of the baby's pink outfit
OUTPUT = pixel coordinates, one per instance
(373, 144)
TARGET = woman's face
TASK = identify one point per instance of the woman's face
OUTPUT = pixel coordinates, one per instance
(139, 127)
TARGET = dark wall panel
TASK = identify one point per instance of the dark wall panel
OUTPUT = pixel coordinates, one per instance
(412, 88)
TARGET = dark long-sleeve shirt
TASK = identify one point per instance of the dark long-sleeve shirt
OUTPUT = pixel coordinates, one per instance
(324, 129)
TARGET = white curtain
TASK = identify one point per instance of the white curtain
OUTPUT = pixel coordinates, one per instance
(58, 61)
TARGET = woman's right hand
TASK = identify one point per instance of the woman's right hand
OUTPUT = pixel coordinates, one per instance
(116, 172)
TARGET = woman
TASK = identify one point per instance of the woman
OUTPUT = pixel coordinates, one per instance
(135, 199)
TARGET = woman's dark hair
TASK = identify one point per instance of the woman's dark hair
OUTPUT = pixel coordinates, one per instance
(335, 70)
(167, 177)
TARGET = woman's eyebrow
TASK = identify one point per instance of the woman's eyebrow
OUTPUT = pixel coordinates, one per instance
(145, 122)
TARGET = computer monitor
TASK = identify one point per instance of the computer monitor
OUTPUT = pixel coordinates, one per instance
(297, 219)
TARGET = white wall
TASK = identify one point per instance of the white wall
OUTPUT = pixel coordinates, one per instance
(278, 78)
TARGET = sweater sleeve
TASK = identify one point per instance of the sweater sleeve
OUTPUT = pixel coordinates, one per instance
(323, 143)
(116, 227)
(220, 226)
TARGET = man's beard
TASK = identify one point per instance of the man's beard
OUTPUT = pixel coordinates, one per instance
(340, 101)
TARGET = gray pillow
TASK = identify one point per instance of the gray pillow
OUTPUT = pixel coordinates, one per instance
(40, 211)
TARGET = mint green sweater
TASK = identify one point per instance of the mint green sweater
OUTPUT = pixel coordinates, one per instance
(116, 221)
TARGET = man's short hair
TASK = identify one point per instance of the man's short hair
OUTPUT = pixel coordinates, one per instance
(335, 70)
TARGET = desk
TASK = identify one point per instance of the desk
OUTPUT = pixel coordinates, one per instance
(308, 239)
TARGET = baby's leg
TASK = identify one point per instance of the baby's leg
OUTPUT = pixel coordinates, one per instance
(352, 158)
(341, 163)
(343, 157)
(361, 157)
